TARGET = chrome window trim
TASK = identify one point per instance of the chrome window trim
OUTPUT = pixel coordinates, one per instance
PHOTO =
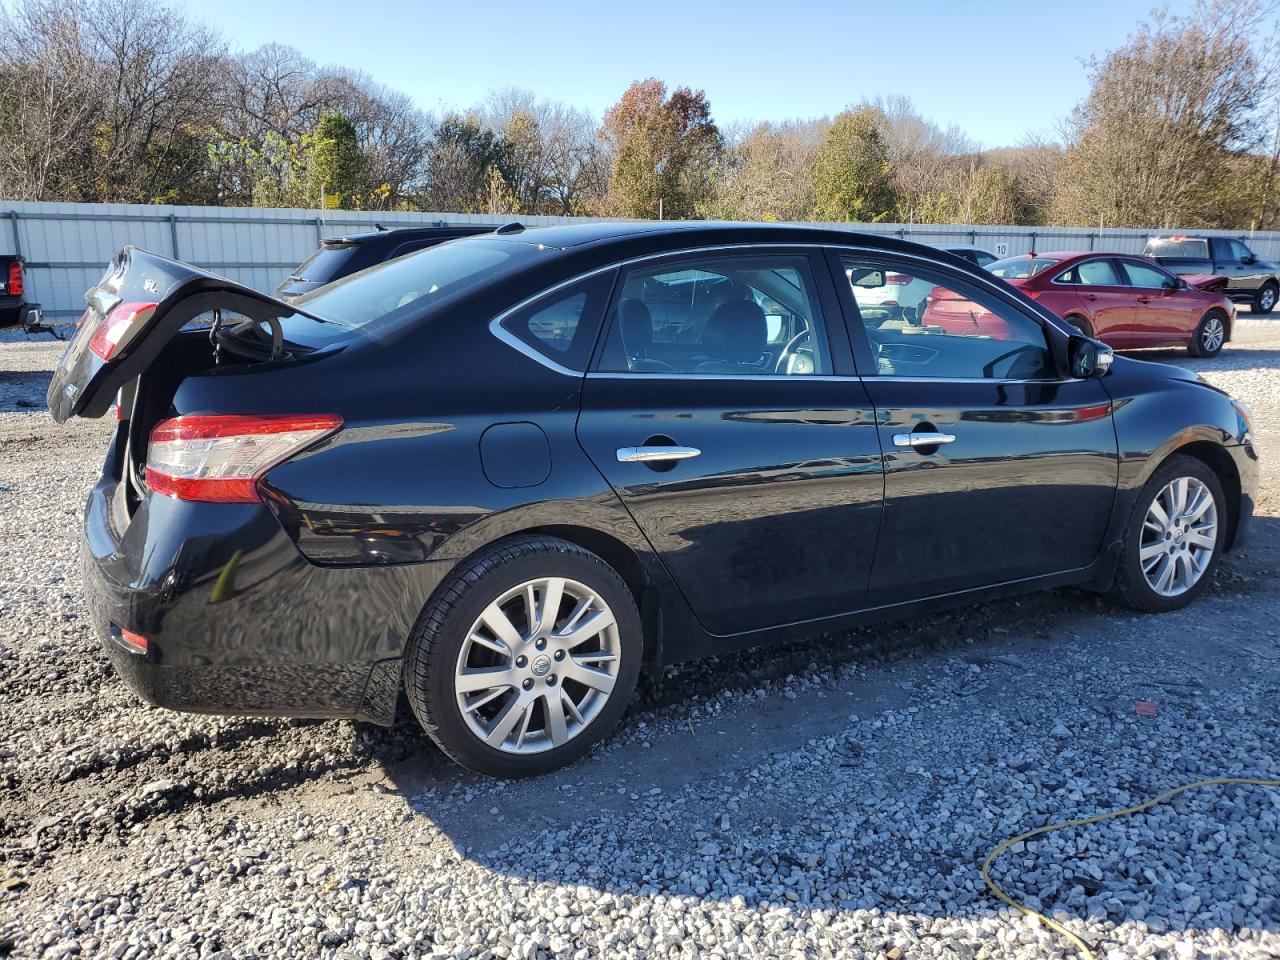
(991, 283)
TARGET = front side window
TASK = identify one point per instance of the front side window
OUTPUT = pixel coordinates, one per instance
(959, 331)
(1238, 251)
(1141, 275)
(727, 316)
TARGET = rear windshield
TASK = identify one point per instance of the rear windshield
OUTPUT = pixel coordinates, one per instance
(408, 285)
(325, 264)
(1179, 247)
(1020, 268)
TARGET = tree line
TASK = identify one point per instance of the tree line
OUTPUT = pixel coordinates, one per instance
(133, 101)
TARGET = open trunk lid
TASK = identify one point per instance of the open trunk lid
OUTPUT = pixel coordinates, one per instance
(137, 307)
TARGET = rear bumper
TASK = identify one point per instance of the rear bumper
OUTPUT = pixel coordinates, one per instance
(237, 621)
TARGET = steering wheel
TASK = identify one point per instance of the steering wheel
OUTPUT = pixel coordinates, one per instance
(988, 371)
(787, 356)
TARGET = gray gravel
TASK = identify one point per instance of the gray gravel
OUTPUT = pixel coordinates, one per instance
(831, 798)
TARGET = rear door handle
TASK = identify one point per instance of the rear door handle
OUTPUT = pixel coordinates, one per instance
(921, 439)
(1090, 296)
(655, 454)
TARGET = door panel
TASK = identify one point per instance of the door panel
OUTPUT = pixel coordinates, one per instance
(995, 469)
(775, 520)
(1158, 314)
(1025, 489)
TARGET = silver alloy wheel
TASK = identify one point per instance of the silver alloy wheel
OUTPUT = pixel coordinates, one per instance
(1212, 334)
(538, 665)
(1267, 299)
(1179, 535)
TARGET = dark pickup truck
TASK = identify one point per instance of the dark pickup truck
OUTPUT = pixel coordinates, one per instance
(12, 290)
(1249, 278)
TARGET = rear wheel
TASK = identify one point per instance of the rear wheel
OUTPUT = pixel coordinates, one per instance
(526, 658)
(1264, 300)
(1174, 537)
(1210, 335)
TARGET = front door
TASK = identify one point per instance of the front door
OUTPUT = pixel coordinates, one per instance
(718, 412)
(996, 468)
(1159, 314)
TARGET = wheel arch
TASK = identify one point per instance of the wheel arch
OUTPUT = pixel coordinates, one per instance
(1076, 318)
(1219, 461)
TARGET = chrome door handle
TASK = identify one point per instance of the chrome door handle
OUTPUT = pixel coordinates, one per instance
(655, 454)
(921, 439)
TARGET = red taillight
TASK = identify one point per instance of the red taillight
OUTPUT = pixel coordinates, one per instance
(221, 458)
(15, 279)
(121, 324)
(898, 279)
(134, 641)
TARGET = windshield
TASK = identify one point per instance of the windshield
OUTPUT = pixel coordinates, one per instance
(412, 283)
(1020, 268)
(1177, 247)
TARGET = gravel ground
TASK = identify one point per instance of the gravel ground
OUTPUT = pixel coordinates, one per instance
(831, 798)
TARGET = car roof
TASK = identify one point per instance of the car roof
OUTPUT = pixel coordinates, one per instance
(661, 235)
(400, 234)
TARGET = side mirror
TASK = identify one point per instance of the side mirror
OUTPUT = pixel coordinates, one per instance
(1089, 358)
(1248, 259)
(867, 278)
(1177, 283)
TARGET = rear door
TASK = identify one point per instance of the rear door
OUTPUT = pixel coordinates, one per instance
(723, 411)
(1102, 296)
(138, 305)
(997, 469)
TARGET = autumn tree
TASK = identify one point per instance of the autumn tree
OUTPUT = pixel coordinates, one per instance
(851, 175)
(767, 173)
(664, 150)
(463, 161)
(1166, 115)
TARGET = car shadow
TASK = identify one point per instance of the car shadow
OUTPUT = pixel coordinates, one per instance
(767, 755)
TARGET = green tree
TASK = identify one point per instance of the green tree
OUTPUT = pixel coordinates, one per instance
(336, 164)
(851, 176)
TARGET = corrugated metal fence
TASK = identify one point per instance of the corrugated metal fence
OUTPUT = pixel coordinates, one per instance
(67, 245)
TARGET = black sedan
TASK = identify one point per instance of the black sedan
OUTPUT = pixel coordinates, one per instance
(507, 474)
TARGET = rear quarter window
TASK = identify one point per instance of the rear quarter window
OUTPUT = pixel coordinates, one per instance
(562, 325)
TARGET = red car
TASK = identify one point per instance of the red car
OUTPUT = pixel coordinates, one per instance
(1126, 301)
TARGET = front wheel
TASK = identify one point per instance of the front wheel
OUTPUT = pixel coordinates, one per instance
(526, 658)
(1264, 300)
(1210, 335)
(1174, 537)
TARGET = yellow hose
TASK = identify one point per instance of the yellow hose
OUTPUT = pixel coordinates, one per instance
(1079, 942)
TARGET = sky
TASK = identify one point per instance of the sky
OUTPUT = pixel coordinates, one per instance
(997, 69)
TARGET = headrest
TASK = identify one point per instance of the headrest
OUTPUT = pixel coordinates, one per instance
(637, 325)
(737, 332)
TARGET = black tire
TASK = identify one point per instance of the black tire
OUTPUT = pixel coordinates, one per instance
(438, 637)
(1264, 300)
(1198, 347)
(1131, 587)
(1080, 323)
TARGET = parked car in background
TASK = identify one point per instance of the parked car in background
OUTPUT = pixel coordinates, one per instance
(503, 477)
(343, 256)
(1125, 301)
(979, 256)
(12, 290)
(1250, 279)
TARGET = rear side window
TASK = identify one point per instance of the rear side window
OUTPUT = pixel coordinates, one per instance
(1092, 273)
(326, 263)
(562, 325)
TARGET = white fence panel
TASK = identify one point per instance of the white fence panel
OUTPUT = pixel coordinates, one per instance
(67, 245)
